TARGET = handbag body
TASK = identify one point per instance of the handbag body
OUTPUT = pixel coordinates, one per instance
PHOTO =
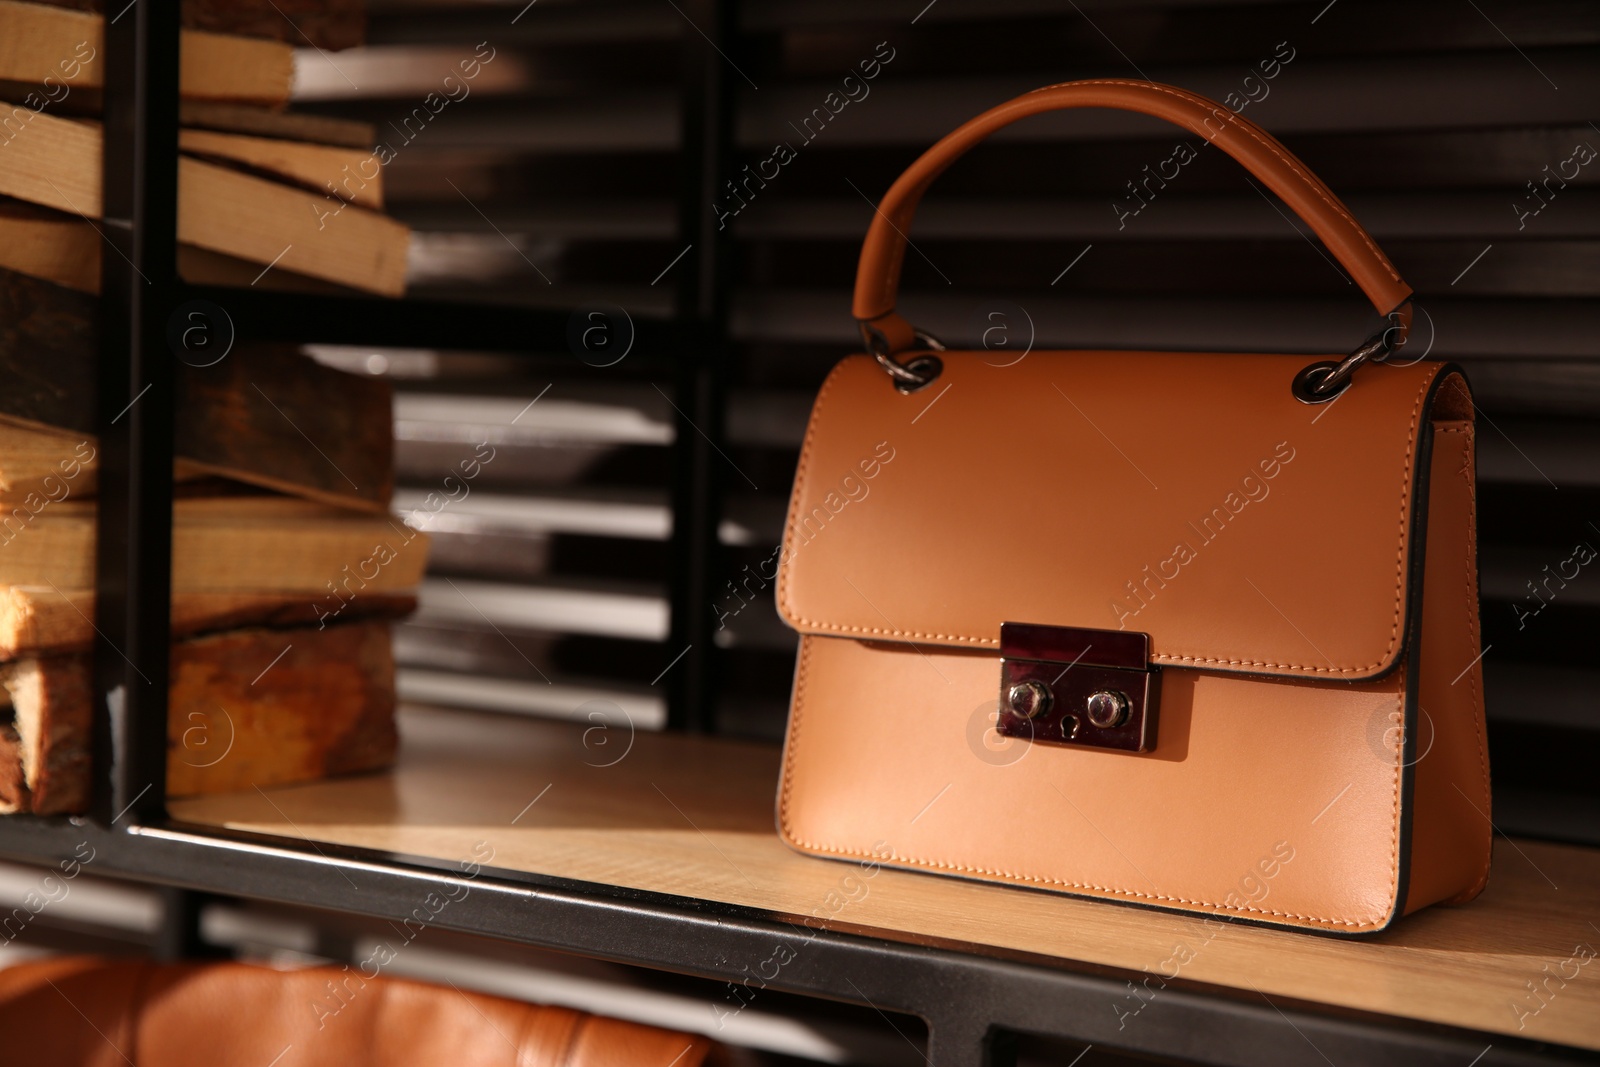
(1195, 631)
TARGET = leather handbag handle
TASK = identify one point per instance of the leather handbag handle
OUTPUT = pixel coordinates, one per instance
(878, 277)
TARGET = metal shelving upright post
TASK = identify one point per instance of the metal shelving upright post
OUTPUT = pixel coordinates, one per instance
(699, 445)
(133, 558)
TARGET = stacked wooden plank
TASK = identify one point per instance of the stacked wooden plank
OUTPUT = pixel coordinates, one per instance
(258, 186)
(287, 567)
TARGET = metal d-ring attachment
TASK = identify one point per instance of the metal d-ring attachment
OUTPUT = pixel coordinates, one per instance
(914, 373)
(1322, 381)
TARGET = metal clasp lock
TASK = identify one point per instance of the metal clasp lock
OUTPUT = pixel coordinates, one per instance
(1064, 685)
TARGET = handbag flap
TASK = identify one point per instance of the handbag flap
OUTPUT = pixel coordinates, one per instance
(1187, 496)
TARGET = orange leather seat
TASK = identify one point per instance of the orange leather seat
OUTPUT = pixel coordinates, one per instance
(89, 1012)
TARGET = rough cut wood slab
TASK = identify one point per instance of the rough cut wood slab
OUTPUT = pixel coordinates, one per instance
(253, 119)
(305, 232)
(350, 174)
(247, 708)
(65, 249)
(271, 122)
(264, 414)
(243, 717)
(52, 702)
(13, 786)
(44, 463)
(692, 817)
(56, 162)
(38, 620)
(37, 39)
(330, 24)
(272, 417)
(40, 463)
(268, 544)
(205, 267)
(51, 245)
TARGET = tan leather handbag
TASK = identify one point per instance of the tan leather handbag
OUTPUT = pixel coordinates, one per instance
(1195, 631)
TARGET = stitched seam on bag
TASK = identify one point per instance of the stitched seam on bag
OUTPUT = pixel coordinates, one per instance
(1038, 880)
(793, 745)
(1168, 657)
(1394, 832)
(797, 715)
(799, 492)
(1247, 128)
(1478, 725)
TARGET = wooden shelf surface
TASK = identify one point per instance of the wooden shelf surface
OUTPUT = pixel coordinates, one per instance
(692, 817)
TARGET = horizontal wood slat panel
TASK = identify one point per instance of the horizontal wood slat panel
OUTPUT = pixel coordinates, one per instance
(789, 14)
(1547, 329)
(1387, 216)
(1322, 96)
(976, 36)
(1500, 159)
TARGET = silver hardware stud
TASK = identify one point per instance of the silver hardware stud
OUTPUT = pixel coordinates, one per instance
(1030, 699)
(1107, 708)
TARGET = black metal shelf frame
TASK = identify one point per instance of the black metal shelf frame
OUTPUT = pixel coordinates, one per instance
(142, 295)
(974, 1000)
(133, 545)
(971, 998)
